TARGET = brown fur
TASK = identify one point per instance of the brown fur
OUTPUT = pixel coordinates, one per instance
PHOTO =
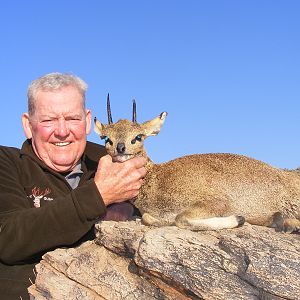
(207, 191)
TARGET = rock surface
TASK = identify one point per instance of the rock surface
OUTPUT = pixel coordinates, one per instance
(131, 261)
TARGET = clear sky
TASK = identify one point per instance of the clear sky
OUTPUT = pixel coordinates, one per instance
(227, 72)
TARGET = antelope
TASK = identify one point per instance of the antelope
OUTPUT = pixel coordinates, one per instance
(204, 191)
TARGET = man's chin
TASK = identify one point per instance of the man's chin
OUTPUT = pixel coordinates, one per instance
(59, 159)
(63, 169)
(62, 166)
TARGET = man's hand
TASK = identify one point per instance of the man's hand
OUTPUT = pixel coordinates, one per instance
(118, 212)
(118, 182)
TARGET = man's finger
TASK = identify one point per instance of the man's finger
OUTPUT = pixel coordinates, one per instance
(106, 158)
(138, 161)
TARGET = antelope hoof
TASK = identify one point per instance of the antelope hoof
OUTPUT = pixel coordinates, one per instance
(291, 225)
(287, 225)
(240, 220)
(147, 219)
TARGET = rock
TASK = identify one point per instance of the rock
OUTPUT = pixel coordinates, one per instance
(130, 261)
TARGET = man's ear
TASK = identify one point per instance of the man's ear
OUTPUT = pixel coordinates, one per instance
(26, 125)
(88, 120)
(153, 127)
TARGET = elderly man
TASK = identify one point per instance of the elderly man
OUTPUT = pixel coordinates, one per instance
(57, 185)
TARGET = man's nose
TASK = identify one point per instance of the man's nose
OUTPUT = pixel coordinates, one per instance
(62, 128)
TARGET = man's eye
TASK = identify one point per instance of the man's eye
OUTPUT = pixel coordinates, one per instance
(73, 119)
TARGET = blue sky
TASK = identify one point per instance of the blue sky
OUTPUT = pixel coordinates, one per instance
(227, 72)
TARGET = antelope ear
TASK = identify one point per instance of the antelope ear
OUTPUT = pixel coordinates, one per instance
(153, 127)
(99, 127)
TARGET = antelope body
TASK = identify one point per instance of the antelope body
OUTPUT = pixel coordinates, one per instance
(205, 191)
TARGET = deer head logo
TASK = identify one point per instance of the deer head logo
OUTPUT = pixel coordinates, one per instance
(38, 194)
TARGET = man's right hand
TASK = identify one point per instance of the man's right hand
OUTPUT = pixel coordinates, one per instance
(118, 182)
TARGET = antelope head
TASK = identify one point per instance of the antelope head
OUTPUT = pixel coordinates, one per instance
(125, 139)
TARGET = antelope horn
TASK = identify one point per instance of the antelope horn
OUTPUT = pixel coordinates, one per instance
(110, 121)
(133, 111)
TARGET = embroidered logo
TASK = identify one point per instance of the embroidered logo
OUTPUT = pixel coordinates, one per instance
(38, 194)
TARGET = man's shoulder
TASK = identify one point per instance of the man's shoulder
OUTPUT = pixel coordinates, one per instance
(9, 157)
(9, 151)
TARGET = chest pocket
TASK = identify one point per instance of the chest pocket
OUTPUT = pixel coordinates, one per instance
(38, 196)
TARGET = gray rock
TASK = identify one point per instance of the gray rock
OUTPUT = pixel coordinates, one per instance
(131, 261)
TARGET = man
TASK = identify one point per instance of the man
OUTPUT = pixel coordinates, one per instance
(54, 189)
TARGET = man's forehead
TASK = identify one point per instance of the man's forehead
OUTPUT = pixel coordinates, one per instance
(61, 96)
(52, 110)
(61, 90)
(66, 107)
(64, 101)
(62, 113)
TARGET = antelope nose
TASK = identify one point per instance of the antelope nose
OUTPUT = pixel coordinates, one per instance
(121, 148)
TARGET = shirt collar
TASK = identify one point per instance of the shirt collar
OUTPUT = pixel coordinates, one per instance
(76, 171)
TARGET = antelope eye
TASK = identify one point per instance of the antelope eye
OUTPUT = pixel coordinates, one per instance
(137, 138)
(106, 139)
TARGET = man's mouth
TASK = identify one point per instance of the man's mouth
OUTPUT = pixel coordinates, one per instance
(62, 144)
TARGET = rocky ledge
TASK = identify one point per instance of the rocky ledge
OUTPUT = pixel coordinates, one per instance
(131, 261)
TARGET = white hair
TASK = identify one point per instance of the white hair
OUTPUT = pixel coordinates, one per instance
(53, 82)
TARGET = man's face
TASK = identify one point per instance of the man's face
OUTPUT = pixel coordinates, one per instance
(58, 127)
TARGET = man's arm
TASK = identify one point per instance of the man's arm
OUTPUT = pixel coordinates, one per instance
(27, 231)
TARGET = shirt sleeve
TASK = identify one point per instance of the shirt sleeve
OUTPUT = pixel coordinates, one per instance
(26, 231)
